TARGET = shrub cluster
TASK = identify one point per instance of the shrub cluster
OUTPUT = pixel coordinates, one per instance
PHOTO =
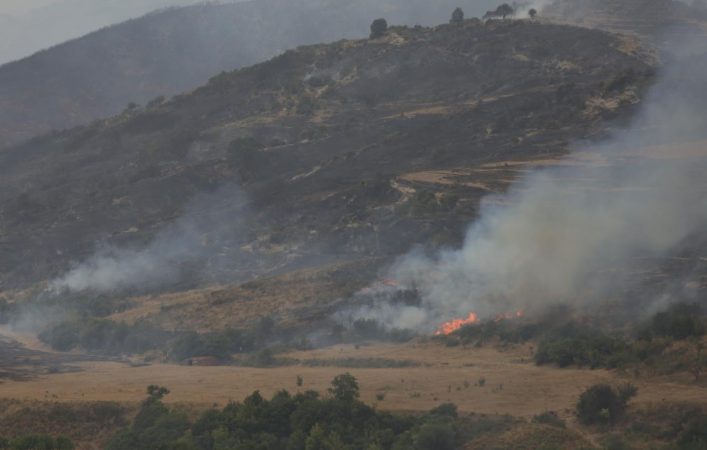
(105, 336)
(573, 344)
(218, 345)
(305, 421)
(679, 321)
(36, 442)
(582, 347)
(604, 404)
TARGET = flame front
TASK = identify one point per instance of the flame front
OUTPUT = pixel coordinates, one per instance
(453, 325)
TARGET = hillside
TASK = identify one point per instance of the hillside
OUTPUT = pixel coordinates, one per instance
(341, 151)
(28, 27)
(175, 50)
(650, 19)
(303, 225)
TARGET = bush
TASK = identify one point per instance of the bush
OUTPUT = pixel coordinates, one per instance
(104, 335)
(679, 321)
(583, 348)
(62, 337)
(37, 442)
(154, 427)
(602, 404)
(549, 418)
(694, 433)
(217, 345)
(457, 16)
(378, 28)
(436, 436)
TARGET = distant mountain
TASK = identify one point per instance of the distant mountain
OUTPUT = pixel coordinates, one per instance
(175, 50)
(36, 25)
(648, 18)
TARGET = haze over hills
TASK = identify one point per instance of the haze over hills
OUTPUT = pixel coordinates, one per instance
(319, 141)
(29, 26)
(176, 50)
(651, 19)
(464, 218)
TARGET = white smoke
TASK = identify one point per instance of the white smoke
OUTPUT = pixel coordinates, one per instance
(564, 234)
(209, 220)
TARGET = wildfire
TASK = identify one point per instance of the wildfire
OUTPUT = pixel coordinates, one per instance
(454, 324)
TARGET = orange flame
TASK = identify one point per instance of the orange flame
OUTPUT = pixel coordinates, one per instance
(453, 325)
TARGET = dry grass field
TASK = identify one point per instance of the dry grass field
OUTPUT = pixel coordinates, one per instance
(480, 380)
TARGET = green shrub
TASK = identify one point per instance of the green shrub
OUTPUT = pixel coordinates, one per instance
(679, 321)
(602, 404)
(62, 337)
(293, 422)
(104, 335)
(378, 28)
(436, 436)
(457, 16)
(218, 345)
(693, 435)
(37, 442)
(344, 387)
(549, 418)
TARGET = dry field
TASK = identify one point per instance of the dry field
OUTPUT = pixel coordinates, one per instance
(512, 383)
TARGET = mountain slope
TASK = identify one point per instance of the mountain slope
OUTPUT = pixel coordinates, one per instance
(172, 51)
(348, 150)
(651, 19)
(36, 25)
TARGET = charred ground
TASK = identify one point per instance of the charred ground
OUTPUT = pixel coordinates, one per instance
(343, 151)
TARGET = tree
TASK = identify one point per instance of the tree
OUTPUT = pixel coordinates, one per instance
(457, 16)
(344, 387)
(378, 28)
(504, 10)
(436, 436)
(532, 13)
(155, 393)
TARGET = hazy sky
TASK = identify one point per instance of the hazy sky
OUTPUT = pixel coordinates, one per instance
(22, 6)
(27, 26)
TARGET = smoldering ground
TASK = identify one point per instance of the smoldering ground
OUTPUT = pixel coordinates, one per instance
(572, 233)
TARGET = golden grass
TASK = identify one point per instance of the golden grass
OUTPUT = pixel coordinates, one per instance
(513, 384)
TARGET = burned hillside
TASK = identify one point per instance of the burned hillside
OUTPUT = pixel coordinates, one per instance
(340, 151)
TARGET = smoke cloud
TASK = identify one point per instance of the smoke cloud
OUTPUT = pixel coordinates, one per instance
(569, 233)
(208, 226)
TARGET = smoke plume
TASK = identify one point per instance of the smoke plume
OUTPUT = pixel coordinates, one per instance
(208, 224)
(569, 233)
